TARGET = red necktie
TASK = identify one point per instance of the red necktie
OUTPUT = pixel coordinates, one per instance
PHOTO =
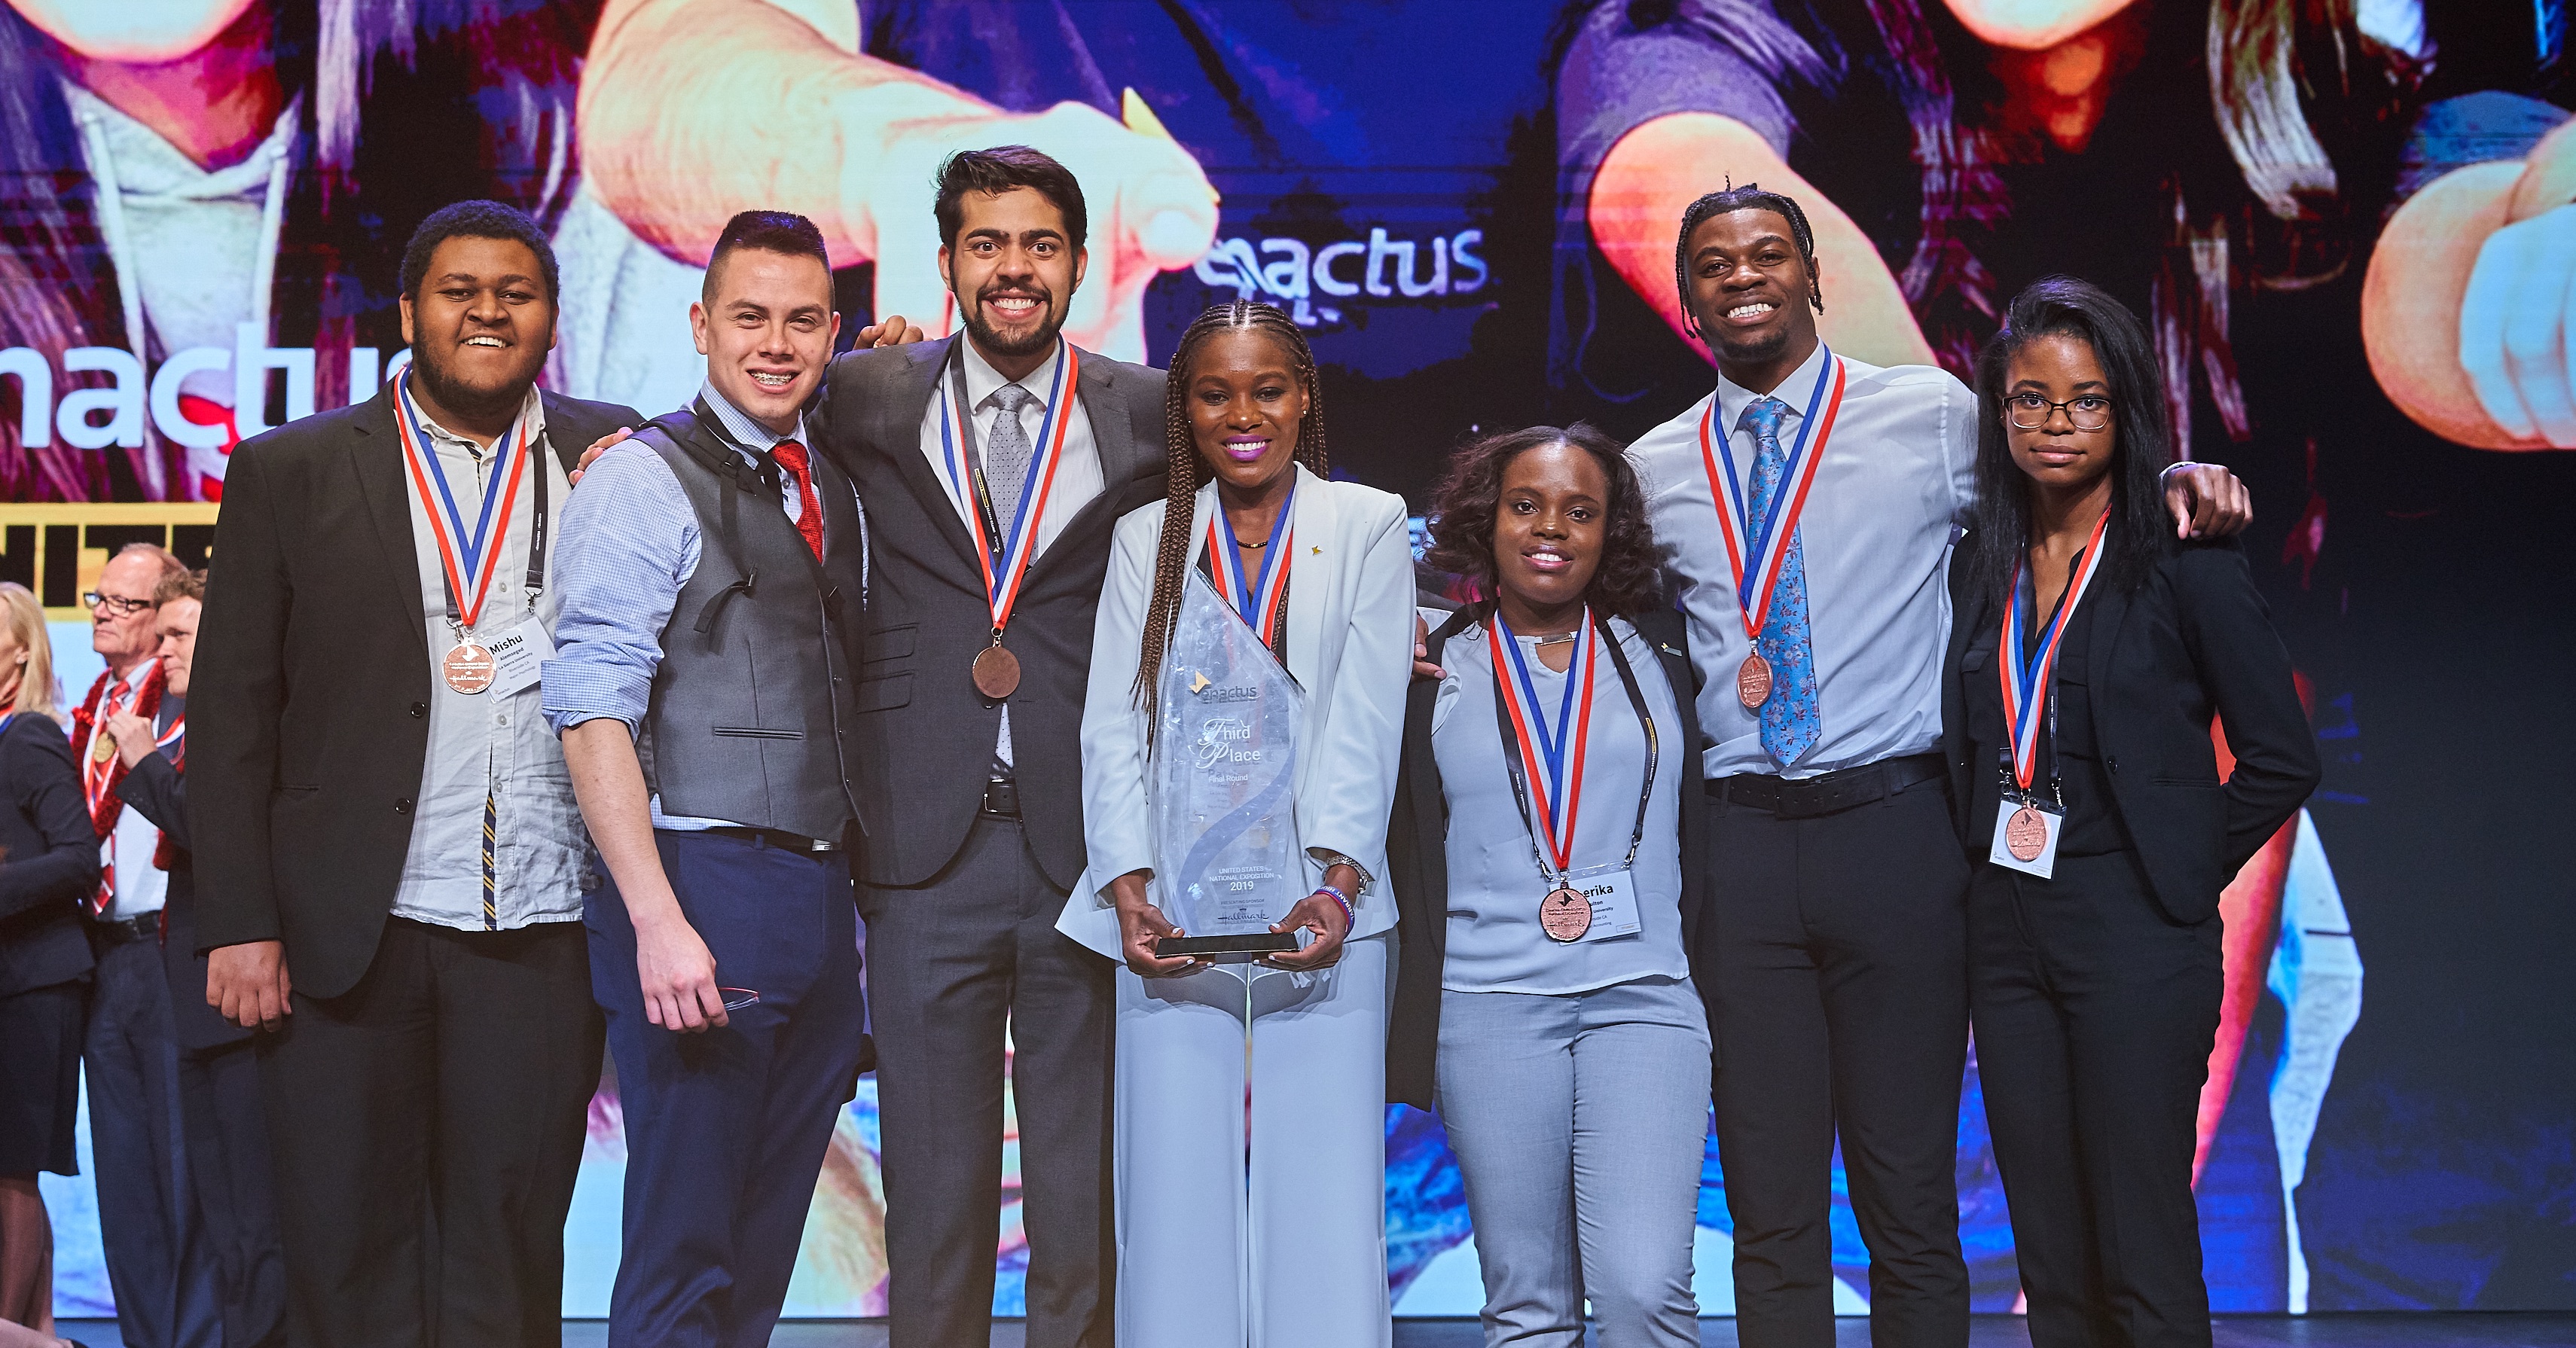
(809, 516)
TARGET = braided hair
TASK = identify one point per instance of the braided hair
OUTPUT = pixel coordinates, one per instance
(1749, 197)
(1185, 472)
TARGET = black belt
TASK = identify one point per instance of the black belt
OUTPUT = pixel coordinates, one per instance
(127, 930)
(781, 839)
(1002, 798)
(1807, 797)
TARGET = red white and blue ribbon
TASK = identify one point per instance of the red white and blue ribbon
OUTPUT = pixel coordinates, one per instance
(470, 556)
(1551, 759)
(178, 727)
(1255, 598)
(1006, 558)
(2026, 681)
(1755, 549)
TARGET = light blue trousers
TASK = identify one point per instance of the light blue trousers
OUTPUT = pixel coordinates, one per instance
(1580, 1122)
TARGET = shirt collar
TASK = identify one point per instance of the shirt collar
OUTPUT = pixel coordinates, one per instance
(983, 381)
(743, 430)
(532, 412)
(1732, 398)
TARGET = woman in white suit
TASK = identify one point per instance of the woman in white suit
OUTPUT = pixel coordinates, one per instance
(1291, 1251)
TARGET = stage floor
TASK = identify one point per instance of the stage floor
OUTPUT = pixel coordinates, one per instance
(2394, 1330)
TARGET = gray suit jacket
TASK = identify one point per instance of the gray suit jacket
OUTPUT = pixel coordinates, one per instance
(925, 734)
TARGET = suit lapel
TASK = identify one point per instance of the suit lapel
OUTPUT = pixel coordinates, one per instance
(375, 456)
(1314, 576)
(2110, 623)
(899, 434)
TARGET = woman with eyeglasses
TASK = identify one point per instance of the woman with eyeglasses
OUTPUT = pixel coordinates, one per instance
(49, 862)
(2089, 652)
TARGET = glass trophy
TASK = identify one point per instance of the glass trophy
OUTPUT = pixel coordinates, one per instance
(1224, 767)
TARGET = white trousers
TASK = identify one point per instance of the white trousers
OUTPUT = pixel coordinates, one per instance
(1251, 1156)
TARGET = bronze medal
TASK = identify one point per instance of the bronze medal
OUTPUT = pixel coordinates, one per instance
(468, 668)
(997, 672)
(106, 747)
(1565, 915)
(1753, 682)
(2026, 834)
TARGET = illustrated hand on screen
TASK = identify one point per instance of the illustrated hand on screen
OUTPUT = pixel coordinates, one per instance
(2515, 325)
(1151, 211)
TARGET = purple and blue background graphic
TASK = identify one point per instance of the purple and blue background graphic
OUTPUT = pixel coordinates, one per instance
(1414, 181)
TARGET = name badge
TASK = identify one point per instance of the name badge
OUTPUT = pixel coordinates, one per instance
(1613, 894)
(2026, 837)
(519, 656)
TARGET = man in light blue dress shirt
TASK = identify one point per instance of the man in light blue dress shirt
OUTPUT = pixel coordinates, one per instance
(713, 583)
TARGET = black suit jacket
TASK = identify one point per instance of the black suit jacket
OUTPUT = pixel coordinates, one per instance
(48, 858)
(157, 790)
(925, 734)
(2193, 639)
(1417, 852)
(310, 722)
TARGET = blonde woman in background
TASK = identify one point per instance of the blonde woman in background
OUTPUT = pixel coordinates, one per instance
(48, 860)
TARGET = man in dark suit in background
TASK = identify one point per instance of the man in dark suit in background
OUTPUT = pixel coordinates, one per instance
(1001, 453)
(380, 809)
(219, 1107)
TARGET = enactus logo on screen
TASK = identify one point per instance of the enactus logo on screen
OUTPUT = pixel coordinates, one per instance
(99, 415)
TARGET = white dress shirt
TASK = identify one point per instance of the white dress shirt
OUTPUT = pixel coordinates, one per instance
(1890, 497)
(1077, 475)
(483, 743)
(141, 887)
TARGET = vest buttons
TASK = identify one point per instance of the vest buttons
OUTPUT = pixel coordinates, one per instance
(419, 710)
(403, 806)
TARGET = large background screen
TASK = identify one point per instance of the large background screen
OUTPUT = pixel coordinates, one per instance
(2348, 222)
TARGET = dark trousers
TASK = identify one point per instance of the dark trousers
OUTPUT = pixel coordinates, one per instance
(2095, 1016)
(955, 963)
(1839, 1004)
(726, 1129)
(228, 1159)
(426, 1128)
(159, 1263)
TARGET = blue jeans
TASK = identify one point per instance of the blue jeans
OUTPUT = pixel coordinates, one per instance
(1579, 1122)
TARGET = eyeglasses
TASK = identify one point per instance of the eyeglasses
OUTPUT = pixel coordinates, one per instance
(2030, 412)
(116, 604)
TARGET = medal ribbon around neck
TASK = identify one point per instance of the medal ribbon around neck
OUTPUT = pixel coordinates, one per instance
(1005, 550)
(1553, 762)
(2026, 682)
(470, 559)
(1255, 598)
(1755, 549)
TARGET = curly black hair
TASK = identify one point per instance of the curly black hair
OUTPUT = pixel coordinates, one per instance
(1463, 512)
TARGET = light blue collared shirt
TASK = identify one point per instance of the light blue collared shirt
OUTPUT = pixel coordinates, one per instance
(629, 544)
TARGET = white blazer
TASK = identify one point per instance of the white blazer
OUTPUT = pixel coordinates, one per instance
(1350, 645)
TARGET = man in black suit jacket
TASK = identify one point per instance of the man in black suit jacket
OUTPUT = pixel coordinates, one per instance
(381, 813)
(969, 783)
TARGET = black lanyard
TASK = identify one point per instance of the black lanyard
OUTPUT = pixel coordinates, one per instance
(1520, 784)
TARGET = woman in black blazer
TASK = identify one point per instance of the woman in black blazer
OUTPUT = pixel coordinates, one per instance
(48, 862)
(2089, 650)
(1546, 863)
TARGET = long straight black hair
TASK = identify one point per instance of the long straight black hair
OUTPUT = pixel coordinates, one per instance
(2142, 439)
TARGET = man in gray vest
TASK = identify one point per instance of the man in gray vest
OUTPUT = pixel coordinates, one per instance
(712, 577)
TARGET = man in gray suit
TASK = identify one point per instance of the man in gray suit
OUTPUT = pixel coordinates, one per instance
(992, 465)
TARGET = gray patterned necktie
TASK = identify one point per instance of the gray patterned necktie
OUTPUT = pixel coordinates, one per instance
(1006, 457)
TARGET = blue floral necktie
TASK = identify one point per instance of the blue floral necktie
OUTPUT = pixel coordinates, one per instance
(1791, 722)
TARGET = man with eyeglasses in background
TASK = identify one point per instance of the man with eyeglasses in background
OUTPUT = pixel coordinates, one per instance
(160, 1268)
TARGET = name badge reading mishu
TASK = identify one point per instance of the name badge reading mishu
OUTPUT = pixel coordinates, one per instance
(519, 656)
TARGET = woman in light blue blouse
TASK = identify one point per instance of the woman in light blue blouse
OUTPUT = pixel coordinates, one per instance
(1545, 858)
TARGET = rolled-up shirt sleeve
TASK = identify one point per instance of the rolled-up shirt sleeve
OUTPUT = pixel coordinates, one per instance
(629, 542)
